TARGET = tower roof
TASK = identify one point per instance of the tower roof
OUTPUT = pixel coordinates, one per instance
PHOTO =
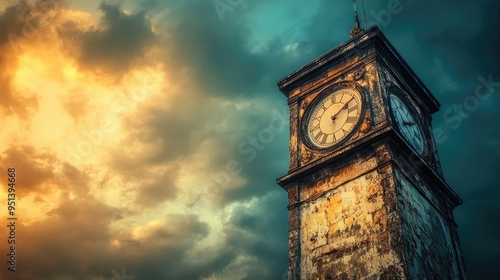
(371, 41)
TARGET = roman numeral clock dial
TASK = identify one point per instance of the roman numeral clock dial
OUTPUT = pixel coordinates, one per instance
(406, 123)
(333, 117)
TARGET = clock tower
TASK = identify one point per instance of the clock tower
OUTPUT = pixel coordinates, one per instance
(367, 197)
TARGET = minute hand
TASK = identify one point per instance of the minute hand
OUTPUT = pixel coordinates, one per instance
(343, 108)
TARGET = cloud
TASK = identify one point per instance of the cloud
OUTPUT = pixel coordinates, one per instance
(74, 248)
(157, 190)
(219, 56)
(113, 46)
(107, 212)
(36, 168)
(76, 103)
(94, 250)
(258, 231)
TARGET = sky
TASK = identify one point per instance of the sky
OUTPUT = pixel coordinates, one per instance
(135, 128)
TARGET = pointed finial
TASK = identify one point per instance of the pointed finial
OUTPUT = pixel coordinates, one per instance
(356, 30)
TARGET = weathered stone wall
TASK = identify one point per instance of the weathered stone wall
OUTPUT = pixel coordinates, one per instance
(430, 250)
(348, 225)
(364, 219)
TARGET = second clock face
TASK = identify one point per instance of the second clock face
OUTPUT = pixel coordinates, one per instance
(406, 123)
(334, 117)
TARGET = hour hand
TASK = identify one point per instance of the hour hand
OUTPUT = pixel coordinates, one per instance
(334, 116)
(340, 111)
(408, 123)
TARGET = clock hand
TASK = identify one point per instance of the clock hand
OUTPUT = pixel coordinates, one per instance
(341, 109)
(408, 123)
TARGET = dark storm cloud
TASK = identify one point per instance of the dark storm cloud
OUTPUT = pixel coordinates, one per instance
(34, 163)
(78, 231)
(21, 21)
(326, 29)
(219, 57)
(161, 252)
(258, 226)
(219, 54)
(120, 41)
(168, 251)
(42, 173)
(261, 162)
(63, 244)
(222, 67)
(150, 194)
(260, 231)
(154, 187)
(169, 132)
(463, 34)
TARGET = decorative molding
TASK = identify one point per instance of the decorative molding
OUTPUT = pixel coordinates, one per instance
(387, 79)
(365, 126)
(306, 157)
(359, 74)
(304, 104)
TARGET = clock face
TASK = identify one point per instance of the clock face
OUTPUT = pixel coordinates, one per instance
(406, 123)
(334, 117)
